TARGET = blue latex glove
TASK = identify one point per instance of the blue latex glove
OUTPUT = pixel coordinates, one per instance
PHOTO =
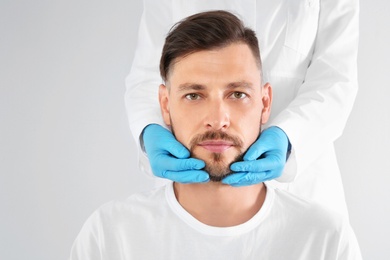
(263, 161)
(169, 158)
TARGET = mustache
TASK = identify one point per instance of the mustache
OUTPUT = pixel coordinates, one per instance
(215, 135)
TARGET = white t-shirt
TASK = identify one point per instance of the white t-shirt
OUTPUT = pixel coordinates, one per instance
(153, 225)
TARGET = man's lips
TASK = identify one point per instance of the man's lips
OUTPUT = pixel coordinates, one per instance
(216, 146)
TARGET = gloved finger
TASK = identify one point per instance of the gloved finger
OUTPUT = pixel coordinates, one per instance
(266, 176)
(270, 139)
(270, 163)
(157, 139)
(193, 176)
(244, 178)
(175, 148)
(245, 166)
(170, 163)
(261, 165)
(255, 150)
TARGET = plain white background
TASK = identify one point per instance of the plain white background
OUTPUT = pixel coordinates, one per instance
(65, 146)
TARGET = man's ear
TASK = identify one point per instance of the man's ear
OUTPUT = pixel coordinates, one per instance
(267, 102)
(163, 97)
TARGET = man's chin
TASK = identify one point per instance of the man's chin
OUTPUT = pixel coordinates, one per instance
(218, 164)
(218, 168)
(218, 178)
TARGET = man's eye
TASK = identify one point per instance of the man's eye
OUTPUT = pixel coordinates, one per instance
(192, 96)
(238, 95)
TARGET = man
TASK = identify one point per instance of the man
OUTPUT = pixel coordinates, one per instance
(215, 102)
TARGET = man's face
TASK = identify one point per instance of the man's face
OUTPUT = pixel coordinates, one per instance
(215, 105)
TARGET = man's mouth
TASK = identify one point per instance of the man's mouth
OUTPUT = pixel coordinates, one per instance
(216, 146)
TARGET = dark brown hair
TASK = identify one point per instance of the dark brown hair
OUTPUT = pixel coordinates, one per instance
(205, 31)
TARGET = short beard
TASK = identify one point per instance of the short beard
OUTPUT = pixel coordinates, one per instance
(218, 169)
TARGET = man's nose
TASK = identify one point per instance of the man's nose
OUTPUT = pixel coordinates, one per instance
(217, 116)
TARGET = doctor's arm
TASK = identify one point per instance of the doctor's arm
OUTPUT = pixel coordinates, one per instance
(318, 114)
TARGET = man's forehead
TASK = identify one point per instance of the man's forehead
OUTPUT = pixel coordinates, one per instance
(237, 56)
(242, 84)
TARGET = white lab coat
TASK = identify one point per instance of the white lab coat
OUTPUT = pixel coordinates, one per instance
(309, 53)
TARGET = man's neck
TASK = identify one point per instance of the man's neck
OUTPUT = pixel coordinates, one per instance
(220, 205)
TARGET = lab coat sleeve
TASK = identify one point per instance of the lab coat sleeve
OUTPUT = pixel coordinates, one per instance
(318, 113)
(141, 97)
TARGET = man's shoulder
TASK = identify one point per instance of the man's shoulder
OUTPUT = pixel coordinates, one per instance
(136, 205)
(306, 212)
(313, 226)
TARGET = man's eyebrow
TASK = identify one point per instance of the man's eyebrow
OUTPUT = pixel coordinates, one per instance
(190, 86)
(240, 84)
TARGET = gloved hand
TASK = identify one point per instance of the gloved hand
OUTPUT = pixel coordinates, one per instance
(169, 158)
(263, 161)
